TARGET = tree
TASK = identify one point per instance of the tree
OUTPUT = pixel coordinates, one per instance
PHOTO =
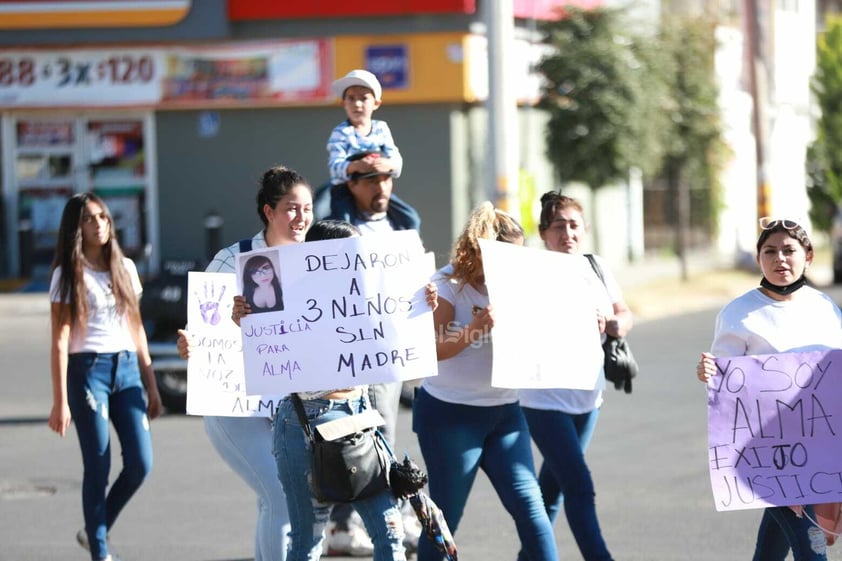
(618, 100)
(694, 146)
(824, 156)
(601, 108)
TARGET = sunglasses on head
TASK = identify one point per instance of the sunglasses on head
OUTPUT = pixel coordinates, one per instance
(769, 222)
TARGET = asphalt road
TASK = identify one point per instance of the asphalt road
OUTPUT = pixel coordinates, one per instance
(648, 459)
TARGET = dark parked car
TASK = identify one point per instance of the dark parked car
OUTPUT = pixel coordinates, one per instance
(163, 307)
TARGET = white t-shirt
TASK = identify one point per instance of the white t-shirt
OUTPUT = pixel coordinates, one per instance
(754, 324)
(107, 331)
(466, 377)
(580, 401)
(376, 226)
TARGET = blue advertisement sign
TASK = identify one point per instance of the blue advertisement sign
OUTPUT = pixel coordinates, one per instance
(390, 63)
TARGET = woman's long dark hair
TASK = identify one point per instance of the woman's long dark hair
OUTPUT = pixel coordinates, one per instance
(253, 264)
(70, 258)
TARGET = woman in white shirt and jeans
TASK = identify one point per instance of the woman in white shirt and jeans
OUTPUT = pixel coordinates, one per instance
(562, 421)
(462, 422)
(285, 207)
(100, 363)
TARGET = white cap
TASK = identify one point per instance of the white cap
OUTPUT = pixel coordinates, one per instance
(357, 77)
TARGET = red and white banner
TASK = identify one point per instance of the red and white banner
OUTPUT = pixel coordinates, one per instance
(111, 77)
(264, 73)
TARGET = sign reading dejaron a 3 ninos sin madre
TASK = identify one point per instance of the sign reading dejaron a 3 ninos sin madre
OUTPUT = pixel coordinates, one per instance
(354, 312)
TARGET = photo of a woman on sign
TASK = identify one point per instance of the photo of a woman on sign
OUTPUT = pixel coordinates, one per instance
(261, 285)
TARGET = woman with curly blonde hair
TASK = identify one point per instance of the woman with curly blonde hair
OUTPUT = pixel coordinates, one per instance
(462, 422)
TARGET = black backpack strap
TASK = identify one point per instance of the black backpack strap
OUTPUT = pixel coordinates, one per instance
(302, 416)
(595, 266)
(245, 245)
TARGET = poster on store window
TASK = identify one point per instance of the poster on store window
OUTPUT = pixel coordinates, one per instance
(116, 151)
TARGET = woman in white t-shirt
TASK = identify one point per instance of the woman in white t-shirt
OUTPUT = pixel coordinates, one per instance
(462, 422)
(562, 421)
(781, 315)
(100, 363)
(285, 207)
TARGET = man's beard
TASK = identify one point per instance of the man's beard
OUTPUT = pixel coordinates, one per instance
(379, 204)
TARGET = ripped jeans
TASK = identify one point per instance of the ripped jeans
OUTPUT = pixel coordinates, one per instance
(781, 530)
(103, 388)
(308, 517)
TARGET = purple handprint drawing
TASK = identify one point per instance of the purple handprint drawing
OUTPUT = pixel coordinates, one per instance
(209, 305)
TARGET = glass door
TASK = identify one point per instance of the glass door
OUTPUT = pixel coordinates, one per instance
(44, 170)
(52, 156)
(116, 161)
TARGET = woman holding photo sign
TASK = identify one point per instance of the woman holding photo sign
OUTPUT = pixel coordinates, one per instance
(783, 314)
(285, 206)
(462, 422)
(562, 421)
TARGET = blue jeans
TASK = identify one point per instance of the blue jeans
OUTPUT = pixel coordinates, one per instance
(103, 387)
(386, 399)
(245, 443)
(565, 478)
(456, 441)
(781, 530)
(308, 517)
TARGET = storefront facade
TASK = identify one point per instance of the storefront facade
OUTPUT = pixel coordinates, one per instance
(175, 124)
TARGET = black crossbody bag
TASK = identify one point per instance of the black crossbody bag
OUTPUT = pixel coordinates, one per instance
(351, 460)
(620, 365)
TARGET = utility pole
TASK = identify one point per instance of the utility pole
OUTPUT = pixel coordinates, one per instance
(758, 99)
(502, 104)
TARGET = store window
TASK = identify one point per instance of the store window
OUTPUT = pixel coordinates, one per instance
(44, 166)
(54, 157)
(117, 169)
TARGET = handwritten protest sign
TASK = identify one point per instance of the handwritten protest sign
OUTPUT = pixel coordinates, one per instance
(354, 312)
(215, 383)
(774, 425)
(545, 331)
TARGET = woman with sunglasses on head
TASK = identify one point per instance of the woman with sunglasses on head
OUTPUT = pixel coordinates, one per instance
(783, 314)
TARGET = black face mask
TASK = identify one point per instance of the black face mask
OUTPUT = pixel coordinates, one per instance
(784, 290)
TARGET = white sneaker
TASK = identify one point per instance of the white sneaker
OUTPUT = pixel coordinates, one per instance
(354, 542)
(82, 540)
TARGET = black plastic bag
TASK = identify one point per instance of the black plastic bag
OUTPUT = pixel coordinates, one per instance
(620, 365)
